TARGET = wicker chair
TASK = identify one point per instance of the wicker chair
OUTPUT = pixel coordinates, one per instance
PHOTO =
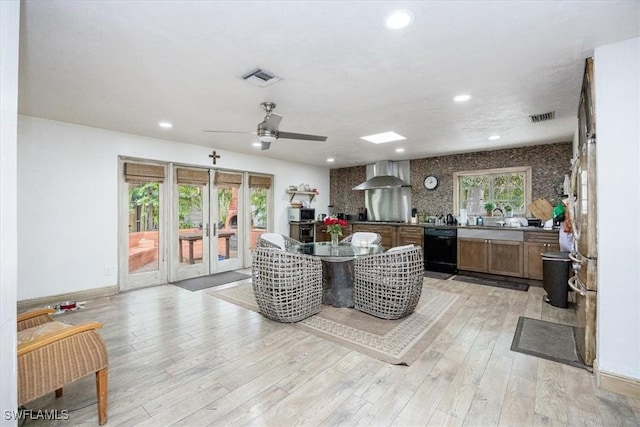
(53, 354)
(275, 240)
(359, 236)
(388, 285)
(287, 286)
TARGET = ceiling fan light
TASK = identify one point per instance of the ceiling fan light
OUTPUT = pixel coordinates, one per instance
(267, 138)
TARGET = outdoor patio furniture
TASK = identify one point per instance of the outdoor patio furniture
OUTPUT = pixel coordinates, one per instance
(275, 240)
(389, 285)
(287, 286)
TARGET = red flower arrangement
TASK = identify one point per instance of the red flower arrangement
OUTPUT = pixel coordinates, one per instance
(334, 225)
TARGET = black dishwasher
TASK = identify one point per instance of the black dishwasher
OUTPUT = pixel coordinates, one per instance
(441, 249)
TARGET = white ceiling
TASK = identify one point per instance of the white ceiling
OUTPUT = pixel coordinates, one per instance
(127, 65)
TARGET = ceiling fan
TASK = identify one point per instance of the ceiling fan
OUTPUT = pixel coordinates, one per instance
(268, 131)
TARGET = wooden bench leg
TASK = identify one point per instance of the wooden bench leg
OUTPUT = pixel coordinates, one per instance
(101, 387)
(59, 392)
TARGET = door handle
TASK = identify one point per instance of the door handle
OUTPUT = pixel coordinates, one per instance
(575, 286)
(206, 230)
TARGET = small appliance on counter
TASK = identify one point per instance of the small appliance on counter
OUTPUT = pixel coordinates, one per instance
(362, 214)
(534, 222)
(302, 214)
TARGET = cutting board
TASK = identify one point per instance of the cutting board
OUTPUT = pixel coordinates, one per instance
(541, 209)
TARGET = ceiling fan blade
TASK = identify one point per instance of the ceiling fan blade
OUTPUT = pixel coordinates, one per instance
(228, 131)
(291, 135)
(272, 122)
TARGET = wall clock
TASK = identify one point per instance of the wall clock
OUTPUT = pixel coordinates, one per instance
(430, 182)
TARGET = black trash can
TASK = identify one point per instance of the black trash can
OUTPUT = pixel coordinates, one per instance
(555, 275)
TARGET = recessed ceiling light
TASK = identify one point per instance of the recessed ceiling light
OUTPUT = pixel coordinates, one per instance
(331, 160)
(494, 137)
(381, 138)
(165, 125)
(398, 19)
(462, 98)
(399, 150)
(257, 144)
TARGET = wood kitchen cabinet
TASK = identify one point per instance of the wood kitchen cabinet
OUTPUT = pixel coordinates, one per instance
(323, 236)
(536, 243)
(472, 254)
(387, 232)
(503, 257)
(407, 235)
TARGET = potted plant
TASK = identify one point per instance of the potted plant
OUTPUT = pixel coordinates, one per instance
(489, 207)
(508, 211)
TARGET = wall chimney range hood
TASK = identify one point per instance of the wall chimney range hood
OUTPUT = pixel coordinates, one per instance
(385, 175)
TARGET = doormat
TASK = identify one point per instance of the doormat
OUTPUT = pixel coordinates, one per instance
(438, 275)
(490, 282)
(399, 342)
(548, 340)
(204, 282)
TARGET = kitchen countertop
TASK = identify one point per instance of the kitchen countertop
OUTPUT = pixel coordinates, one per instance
(483, 227)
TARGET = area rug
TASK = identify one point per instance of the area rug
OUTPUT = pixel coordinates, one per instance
(399, 342)
(548, 340)
(490, 282)
(204, 282)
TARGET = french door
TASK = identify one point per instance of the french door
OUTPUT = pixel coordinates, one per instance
(207, 235)
(142, 225)
(179, 222)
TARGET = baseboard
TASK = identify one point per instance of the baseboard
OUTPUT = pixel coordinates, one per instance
(70, 296)
(619, 384)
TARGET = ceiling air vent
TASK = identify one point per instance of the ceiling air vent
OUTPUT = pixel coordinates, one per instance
(537, 118)
(261, 78)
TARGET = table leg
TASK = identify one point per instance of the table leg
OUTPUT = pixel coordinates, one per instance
(190, 251)
(180, 249)
(337, 283)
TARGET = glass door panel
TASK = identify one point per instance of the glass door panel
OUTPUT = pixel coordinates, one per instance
(259, 219)
(144, 236)
(191, 223)
(141, 218)
(227, 234)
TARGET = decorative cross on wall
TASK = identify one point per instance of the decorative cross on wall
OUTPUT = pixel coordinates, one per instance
(214, 156)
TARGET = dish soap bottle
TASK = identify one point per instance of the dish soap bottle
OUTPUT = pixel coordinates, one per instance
(480, 221)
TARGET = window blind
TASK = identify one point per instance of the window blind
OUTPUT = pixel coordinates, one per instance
(224, 179)
(259, 181)
(141, 173)
(192, 176)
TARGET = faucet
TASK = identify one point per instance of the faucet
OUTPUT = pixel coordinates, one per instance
(501, 221)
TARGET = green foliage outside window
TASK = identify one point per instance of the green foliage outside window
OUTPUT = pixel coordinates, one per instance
(501, 189)
(144, 204)
(259, 207)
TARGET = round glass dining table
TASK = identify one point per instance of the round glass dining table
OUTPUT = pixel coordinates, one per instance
(337, 268)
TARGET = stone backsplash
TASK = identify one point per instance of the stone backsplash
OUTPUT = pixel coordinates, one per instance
(549, 163)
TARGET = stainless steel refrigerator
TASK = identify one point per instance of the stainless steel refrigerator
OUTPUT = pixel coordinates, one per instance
(585, 222)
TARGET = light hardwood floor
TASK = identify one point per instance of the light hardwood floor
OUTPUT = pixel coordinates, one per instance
(187, 358)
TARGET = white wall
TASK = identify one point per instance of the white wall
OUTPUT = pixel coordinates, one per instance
(67, 198)
(617, 84)
(9, 36)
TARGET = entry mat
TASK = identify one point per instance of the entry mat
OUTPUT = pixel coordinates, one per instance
(204, 282)
(491, 282)
(548, 340)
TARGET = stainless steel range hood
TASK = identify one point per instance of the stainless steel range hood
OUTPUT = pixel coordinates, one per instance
(383, 174)
(387, 191)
